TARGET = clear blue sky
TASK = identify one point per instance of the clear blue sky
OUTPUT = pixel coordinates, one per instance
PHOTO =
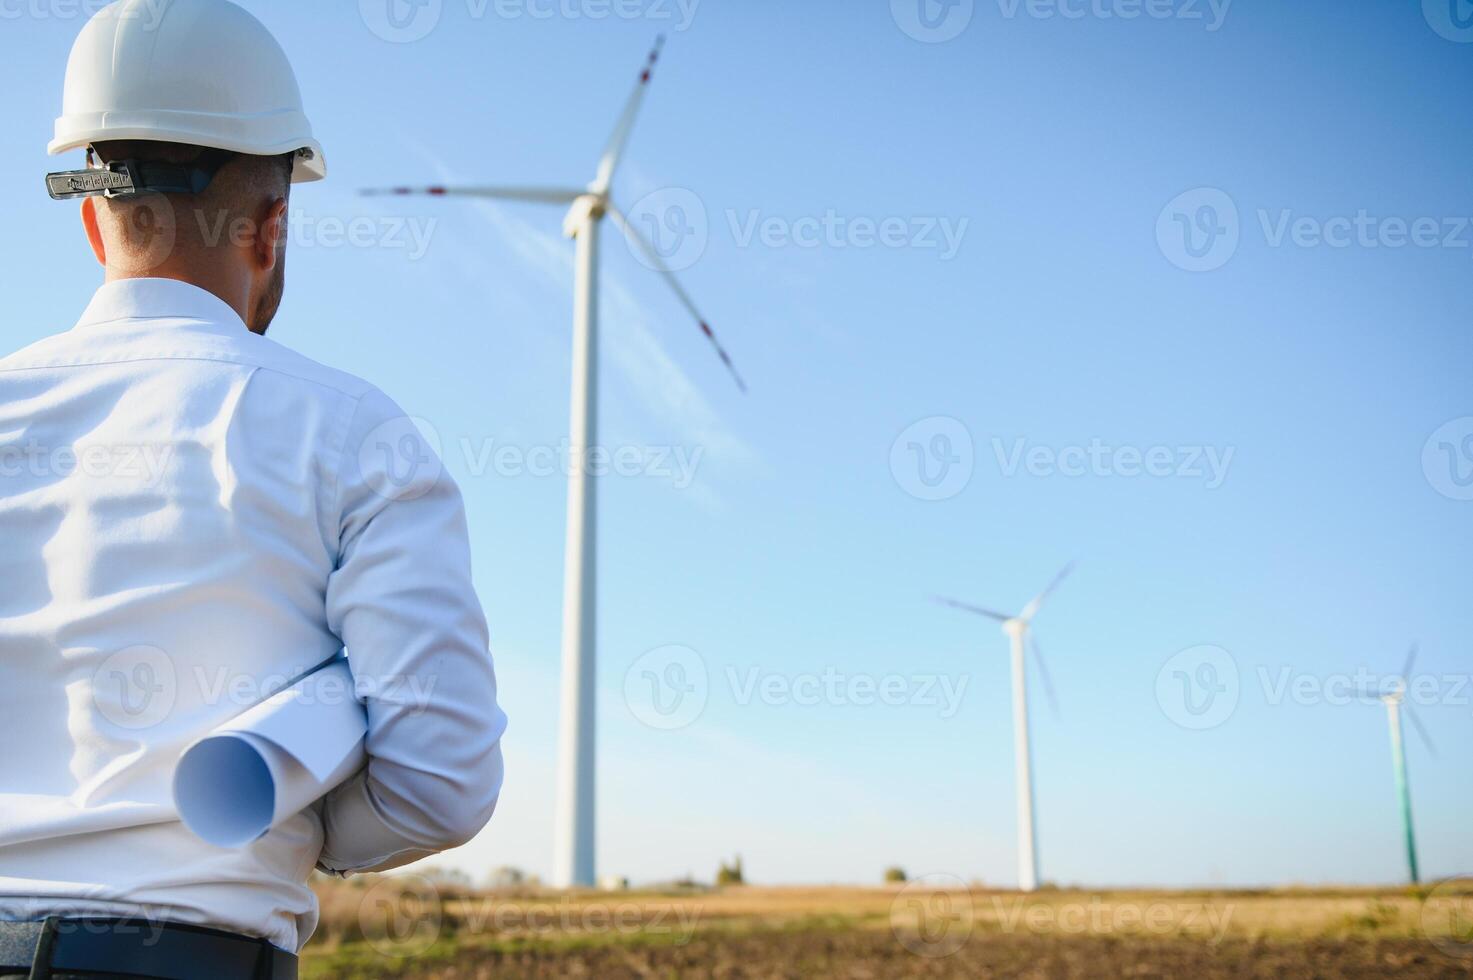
(1060, 320)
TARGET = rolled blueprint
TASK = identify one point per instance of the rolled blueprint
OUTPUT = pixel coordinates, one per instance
(274, 760)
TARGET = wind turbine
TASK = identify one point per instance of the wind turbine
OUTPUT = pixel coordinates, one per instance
(1019, 631)
(1393, 695)
(574, 823)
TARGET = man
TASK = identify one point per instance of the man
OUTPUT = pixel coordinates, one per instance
(192, 515)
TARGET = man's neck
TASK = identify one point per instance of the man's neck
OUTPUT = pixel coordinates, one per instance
(233, 294)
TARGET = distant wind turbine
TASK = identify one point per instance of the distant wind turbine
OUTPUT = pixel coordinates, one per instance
(1393, 695)
(574, 825)
(1019, 631)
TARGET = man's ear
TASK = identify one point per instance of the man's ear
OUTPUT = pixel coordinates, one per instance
(94, 232)
(271, 242)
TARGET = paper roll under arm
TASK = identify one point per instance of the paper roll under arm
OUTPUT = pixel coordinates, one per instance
(274, 760)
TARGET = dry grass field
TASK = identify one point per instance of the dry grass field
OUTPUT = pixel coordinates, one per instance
(408, 928)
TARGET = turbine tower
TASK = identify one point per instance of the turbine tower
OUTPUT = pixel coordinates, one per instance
(1020, 635)
(1393, 695)
(574, 863)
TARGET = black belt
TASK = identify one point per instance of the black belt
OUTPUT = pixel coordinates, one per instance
(138, 947)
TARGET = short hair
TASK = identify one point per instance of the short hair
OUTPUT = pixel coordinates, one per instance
(140, 225)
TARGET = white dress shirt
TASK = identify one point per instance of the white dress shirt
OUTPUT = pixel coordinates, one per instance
(191, 515)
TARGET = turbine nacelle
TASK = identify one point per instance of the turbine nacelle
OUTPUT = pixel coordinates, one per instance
(592, 205)
(1394, 692)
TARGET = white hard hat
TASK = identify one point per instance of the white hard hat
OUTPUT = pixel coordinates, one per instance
(203, 72)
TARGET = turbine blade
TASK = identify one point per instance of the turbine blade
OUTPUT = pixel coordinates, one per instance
(653, 257)
(1406, 669)
(1031, 610)
(540, 195)
(614, 151)
(1421, 729)
(1048, 681)
(967, 607)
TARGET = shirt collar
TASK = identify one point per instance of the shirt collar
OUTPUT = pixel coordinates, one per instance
(158, 299)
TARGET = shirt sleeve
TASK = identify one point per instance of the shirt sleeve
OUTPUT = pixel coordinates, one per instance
(402, 602)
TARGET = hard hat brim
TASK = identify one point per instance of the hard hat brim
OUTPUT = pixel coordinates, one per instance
(195, 129)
